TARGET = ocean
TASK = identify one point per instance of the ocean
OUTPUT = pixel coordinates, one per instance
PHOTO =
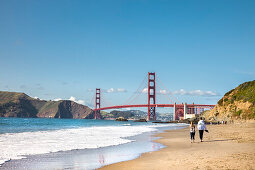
(47, 143)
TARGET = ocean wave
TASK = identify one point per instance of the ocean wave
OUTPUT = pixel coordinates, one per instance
(18, 145)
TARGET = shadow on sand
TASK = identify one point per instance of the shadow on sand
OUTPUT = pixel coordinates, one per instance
(219, 140)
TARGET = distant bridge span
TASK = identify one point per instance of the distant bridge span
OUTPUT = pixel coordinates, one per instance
(181, 111)
(157, 105)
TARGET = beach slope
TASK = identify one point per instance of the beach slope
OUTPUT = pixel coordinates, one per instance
(225, 147)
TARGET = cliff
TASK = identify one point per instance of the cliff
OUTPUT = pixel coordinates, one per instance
(238, 103)
(14, 104)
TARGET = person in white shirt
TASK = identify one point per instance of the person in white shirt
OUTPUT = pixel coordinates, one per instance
(201, 127)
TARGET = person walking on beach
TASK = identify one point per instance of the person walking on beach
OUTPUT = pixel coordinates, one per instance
(192, 132)
(201, 127)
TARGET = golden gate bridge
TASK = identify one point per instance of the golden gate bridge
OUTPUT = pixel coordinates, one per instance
(181, 110)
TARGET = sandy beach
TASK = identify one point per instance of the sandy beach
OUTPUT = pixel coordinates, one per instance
(229, 146)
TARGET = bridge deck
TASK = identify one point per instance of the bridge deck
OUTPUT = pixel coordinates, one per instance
(155, 105)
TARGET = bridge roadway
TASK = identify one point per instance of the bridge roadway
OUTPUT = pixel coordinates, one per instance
(156, 105)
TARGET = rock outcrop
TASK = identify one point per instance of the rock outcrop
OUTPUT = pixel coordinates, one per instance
(14, 104)
(238, 103)
(140, 120)
(121, 119)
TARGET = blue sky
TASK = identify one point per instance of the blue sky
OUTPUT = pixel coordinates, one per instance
(63, 48)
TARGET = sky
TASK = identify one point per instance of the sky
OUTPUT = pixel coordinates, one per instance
(63, 49)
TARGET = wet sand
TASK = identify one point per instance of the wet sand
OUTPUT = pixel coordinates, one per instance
(225, 147)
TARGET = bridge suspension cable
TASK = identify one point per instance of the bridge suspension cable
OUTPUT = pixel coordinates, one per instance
(179, 109)
(105, 101)
(92, 103)
(168, 90)
(136, 93)
(164, 93)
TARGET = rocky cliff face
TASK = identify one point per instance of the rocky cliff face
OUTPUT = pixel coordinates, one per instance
(238, 103)
(21, 105)
(70, 109)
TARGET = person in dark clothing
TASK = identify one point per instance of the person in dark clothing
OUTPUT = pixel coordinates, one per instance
(192, 132)
(201, 134)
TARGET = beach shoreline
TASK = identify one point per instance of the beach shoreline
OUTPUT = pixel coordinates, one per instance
(229, 146)
(90, 158)
(87, 158)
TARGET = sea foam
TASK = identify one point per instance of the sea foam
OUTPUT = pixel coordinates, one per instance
(18, 145)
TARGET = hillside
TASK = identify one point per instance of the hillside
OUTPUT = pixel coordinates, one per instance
(238, 103)
(128, 114)
(134, 114)
(14, 104)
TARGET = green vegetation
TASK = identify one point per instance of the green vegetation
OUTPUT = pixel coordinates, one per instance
(106, 115)
(134, 114)
(238, 113)
(229, 92)
(225, 100)
(252, 113)
(220, 102)
(129, 114)
(242, 98)
(49, 105)
(245, 92)
(7, 97)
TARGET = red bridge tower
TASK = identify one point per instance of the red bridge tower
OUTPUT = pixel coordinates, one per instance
(151, 96)
(97, 104)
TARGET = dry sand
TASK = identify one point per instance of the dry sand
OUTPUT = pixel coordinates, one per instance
(225, 147)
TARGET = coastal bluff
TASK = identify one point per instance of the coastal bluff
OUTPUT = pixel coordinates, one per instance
(13, 104)
(237, 104)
